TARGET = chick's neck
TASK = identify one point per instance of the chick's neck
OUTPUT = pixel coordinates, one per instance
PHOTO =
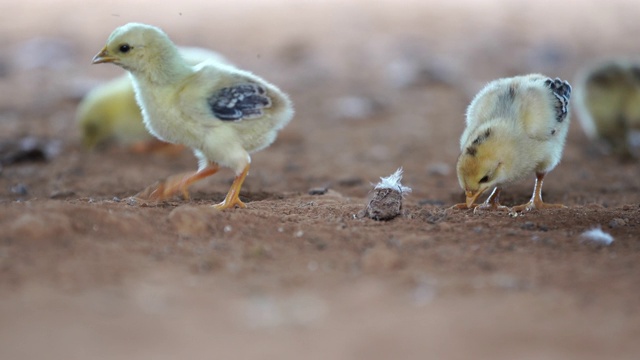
(164, 67)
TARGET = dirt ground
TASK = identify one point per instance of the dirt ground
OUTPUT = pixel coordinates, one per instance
(85, 274)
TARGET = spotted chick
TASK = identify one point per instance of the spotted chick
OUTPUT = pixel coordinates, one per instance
(514, 127)
(219, 111)
(608, 103)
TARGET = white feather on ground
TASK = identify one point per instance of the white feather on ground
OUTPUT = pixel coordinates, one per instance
(597, 236)
(393, 182)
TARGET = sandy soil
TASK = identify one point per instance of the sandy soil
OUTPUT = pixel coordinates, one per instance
(85, 274)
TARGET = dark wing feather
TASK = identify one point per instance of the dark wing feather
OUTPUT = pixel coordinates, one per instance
(242, 101)
(562, 91)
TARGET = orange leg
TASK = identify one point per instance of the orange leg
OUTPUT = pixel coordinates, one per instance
(232, 198)
(181, 182)
(536, 200)
(492, 202)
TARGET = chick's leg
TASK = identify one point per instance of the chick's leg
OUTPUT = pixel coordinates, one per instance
(536, 200)
(492, 202)
(232, 198)
(181, 182)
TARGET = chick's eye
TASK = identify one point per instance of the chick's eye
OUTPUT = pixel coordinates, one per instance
(124, 48)
(484, 179)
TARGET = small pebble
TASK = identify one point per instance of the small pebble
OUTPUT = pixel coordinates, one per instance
(20, 189)
(617, 222)
(318, 191)
(528, 226)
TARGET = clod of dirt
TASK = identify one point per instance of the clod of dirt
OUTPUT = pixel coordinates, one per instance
(617, 222)
(386, 202)
(20, 189)
(27, 149)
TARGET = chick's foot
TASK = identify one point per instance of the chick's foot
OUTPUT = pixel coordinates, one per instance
(464, 206)
(232, 198)
(536, 200)
(165, 189)
(228, 204)
(490, 207)
(176, 183)
(536, 205)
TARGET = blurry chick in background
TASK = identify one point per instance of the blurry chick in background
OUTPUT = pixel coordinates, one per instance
(221, 112)
(608, 103)
(109, 113)
(514, 127)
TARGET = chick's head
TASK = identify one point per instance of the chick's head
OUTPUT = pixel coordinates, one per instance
(483, 164)
(135, 47)
(95, 130)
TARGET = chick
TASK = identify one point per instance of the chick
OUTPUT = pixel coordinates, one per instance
(515, 126)
(221, 112)
(608, 103)
(110, 113)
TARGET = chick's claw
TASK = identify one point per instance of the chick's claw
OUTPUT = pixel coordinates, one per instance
(463, 206)
(481, 207)
(228, 204)
(490, 207)
(536, 205)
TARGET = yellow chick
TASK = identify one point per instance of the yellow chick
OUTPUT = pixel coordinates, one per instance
(514, 126)
(608, 102)
(221, 112)
(110, 113)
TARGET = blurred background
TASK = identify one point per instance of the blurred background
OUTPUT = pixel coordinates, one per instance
(377, 85)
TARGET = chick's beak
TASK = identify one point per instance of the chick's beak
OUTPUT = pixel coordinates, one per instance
(471, 197)
(103, 57)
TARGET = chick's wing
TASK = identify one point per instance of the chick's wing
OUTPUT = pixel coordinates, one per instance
(240, 101)
(544, 106)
